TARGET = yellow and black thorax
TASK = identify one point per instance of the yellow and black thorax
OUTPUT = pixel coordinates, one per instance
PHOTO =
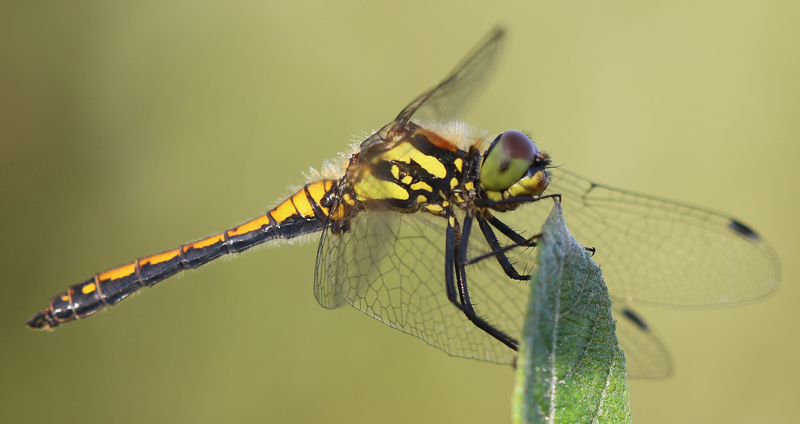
(417, 171)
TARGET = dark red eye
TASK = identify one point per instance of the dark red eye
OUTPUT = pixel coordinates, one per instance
(507, 160)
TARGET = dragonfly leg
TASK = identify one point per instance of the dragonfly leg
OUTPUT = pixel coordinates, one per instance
(461, 241)
(498, 252)
(501, 250)
(516, 237)
(509, 232)
(458, 293)
(484, 203)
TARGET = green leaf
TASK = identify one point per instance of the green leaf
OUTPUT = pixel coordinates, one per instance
(570, 368)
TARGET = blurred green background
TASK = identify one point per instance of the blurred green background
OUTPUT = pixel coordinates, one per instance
(127, 128)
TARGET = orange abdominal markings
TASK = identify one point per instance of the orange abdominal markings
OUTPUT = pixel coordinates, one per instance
(119, 272)
(204, 243)
(159, 258)
(292, 218)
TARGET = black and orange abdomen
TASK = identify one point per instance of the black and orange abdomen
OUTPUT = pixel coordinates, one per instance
(299, 215)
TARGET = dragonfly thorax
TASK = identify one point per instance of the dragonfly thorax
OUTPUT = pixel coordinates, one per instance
(419, 170)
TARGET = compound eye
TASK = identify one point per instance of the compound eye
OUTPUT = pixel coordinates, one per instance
(507, 160)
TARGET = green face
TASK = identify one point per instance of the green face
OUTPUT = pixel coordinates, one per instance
(507, 161)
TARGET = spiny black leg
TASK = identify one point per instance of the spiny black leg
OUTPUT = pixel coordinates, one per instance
(507, 266)
(484, 203)
(517, 238)
(450, 287)
(508, 231)
(502, 250)
(449, 263)
(462, 239)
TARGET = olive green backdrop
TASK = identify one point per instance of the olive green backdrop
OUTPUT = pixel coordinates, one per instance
(127, 128)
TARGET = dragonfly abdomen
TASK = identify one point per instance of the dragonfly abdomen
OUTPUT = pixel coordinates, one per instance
(298, 215)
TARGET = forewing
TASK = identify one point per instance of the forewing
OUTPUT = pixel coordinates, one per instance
(502, 300)
(455, 93)
(664, 252)
(659, 251)
(391, 266)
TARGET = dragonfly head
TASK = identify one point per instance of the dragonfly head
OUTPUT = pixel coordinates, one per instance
(513, 167)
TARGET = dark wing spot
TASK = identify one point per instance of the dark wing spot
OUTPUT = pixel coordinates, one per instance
(635, 319)
(743, 230)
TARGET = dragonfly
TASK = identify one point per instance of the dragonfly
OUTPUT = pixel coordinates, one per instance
(399, 241)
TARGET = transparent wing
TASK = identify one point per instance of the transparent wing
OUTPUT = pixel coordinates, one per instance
(325, 290)
(453, 95)
(391, 267)
(645, 356)
(659, 251)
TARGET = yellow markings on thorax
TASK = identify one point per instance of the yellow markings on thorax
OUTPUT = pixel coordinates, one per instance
(458, 163)
(407, 180)
(119, 272)
(396, 172)
(65, 298)
(469, 186)
(405, 152)
(421, 199)
(158, 258)
(434, 208)
(370, 187)
(88, 288)
(422, 185)
(454, 182)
